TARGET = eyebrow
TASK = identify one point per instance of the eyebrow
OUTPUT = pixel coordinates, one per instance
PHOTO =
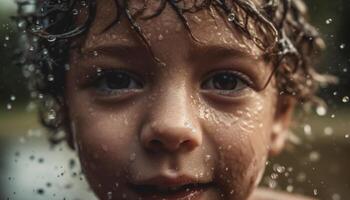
(201, 52)
(113, 48)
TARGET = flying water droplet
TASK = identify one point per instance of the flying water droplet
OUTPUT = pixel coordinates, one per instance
(8, 106)
(50, 77)
(307, 129)
(345, 99)
(51, 114)
(342, 46)
(51, 38)
(329, 21)
(321, 110)
(12, 97)
(75, 11)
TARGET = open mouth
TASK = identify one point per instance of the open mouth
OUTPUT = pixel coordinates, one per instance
(181, 192)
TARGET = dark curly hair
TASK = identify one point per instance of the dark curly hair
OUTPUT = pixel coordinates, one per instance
(280, 28)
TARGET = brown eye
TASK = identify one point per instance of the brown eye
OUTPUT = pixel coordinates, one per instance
(116, 81)
(224, 81)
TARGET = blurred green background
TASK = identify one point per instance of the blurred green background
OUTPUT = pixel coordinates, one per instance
(316, 165)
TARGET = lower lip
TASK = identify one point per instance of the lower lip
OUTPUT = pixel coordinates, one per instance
(190, 194)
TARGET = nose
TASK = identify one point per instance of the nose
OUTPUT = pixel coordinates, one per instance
(171, 124)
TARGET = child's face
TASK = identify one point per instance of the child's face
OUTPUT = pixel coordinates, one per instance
(198, 121)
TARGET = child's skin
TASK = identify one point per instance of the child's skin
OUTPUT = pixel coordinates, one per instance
(175, 124)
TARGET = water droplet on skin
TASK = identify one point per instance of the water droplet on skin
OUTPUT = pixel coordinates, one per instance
(133, 157)
(345, 99)
(231, 17)
(160, 37)
(104, 148)
(95, 53)
(207, 158)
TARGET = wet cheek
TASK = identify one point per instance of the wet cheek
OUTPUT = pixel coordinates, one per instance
(104, 137)
(241, 137)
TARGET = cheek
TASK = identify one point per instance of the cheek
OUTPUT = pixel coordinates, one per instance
(241, 135)
(105, 137)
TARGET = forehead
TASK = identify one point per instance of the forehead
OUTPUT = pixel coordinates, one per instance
(207, 26)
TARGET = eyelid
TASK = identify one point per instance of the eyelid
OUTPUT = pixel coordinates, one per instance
(96, 76)
(245, 78)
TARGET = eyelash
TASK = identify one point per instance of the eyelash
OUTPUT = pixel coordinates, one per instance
(102, 82)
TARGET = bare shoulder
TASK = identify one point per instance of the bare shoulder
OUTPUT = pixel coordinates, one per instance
(268, 194)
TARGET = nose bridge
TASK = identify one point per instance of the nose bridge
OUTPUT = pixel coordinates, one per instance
(172, 124)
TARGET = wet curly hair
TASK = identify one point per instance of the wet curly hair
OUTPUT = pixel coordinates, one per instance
(278, 27)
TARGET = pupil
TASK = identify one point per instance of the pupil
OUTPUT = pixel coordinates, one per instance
(118, 81)
(224, 82)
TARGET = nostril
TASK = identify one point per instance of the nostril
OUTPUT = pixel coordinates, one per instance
(155, 144)
(188, 144)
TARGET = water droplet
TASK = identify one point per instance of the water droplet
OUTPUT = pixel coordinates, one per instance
(328, 131)
(7, 38)
(51, 38)
(75, 11)
(342, 46)
(8, 106)
(231, 17)
(51, 114)
(329, 21)
(315, 191)
(21, 24)
(336, 196)
(345, 99)
(314, 156)
(207, 158)
(347, 135)
(12, 97)
(109, 195)
(95, 53)
(160, 37)
(133, 157)
(307, 129)
(321, 110)
(50, 77)
(290, 188)
(45, 51)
